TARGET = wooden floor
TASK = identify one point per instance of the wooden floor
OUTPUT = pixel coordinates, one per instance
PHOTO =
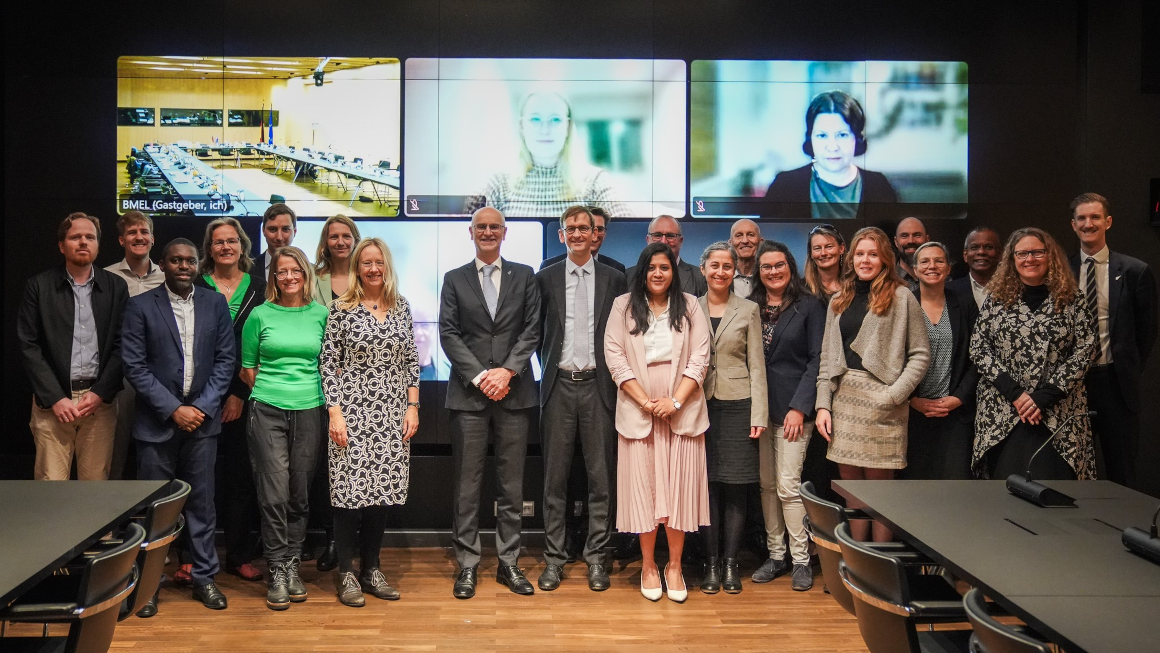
(768, 617)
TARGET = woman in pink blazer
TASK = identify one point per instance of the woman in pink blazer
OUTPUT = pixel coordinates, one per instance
(657, 347)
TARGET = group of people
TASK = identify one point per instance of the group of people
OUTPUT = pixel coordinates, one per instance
(682, 386)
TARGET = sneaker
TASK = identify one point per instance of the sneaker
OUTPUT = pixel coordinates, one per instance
(293, 582)
(772, 568)
(349, 593)
(803, 578)
(277, 594)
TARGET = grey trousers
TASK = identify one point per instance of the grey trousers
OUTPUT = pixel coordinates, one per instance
(574, 410)
(469, 436)
(284, 449)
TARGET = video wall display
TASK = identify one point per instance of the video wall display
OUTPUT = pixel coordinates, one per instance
(828, 140)
(214, 136)
(422, 252)
(534, 136)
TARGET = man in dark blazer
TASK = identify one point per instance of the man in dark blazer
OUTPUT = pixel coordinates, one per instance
(179, 356)
(489, 325)
(981, 253)
(69, 328)
(666, 229)
(600, 216)
(577, 395)
(1121, 293)
(279, 226)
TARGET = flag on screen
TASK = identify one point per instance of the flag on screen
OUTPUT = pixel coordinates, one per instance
(262, 125)
(271, 139)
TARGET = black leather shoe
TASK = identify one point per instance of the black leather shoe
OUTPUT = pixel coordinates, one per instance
(210, 596)
(513, 577)
(465, 584)
(598, 578)
(375, 583)
(294, 585)
(329, 558)
(349, 593)
(277, 592)
(149, 609)
(711, 583)
(550, 578)
(731, 577)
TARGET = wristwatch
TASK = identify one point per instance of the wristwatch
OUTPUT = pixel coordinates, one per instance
(676, 404)
(413, 403)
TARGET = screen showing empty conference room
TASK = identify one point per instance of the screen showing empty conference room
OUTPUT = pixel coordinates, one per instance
(221, 135)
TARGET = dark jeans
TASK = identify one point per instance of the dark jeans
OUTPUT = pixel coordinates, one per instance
(284, 446)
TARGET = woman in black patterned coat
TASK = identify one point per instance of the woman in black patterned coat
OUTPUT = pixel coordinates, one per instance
(370, 375)
(1032, 345)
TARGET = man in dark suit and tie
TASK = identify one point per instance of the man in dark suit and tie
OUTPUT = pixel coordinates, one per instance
(666, 229)
(577, 395)
(1121, 295)
(489, 325)
(279, 226)
(178, 354)
(600, 216)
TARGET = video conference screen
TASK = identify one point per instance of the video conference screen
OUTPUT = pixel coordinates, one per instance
(422, 252)
(234, 134)
(533, 136)
(828, 140)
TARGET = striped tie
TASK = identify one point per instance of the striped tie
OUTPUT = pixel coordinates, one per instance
(1090, 294)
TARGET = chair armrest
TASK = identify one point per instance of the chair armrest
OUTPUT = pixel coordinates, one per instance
(949, 610)
(37, 612)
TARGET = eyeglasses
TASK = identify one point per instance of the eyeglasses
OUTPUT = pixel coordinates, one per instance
(552, 122)
(231, 242)
(664, 235)
(766, 268)
(599, 230)
(582, 229)
(484, 228)
(1024, 254)
(296, 273)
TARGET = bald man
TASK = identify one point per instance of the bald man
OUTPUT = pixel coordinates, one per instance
(744, 237)
(908, 236)
(665, 229)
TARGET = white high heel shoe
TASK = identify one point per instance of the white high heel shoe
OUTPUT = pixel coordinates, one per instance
(676, 595)
(650, 593)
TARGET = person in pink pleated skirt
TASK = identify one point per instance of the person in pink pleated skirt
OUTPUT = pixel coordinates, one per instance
(657, 347)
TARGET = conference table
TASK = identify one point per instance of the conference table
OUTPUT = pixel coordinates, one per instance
(1063, 571)
(359, 172)
(45, 524)
(201, 189)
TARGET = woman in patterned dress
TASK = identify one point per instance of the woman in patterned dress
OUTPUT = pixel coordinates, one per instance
(874, 353)
(1033, 344)
(370, 375)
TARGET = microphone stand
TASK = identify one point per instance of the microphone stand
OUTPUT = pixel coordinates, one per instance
(1143, 544)
(1038, 493)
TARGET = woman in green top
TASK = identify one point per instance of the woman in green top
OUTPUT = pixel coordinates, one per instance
(280, 346)
(332, 271)
(225, 267)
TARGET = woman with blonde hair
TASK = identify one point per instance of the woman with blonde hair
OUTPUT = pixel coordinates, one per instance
(823, 274)
(332, 259)
(875, 351)
(370, 374)
(280, 345)
(1033, 344)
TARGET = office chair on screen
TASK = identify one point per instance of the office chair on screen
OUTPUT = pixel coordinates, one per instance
(992, 636)
(89, 601)
(891, 597)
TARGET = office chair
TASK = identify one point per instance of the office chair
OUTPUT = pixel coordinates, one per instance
(162, 522)
(991, 636)
(89, 601)
(891, 598)
(384, 164)
(276, 199)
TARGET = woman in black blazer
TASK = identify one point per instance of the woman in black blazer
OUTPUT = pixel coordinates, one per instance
(831, 187)
(793, 322)
(942, 410)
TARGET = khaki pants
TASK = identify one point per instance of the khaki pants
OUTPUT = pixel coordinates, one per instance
(90, 437)
(781, 500)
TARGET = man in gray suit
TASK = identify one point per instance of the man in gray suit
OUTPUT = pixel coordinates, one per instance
(577, 394)
(666, 229)
(489, 324)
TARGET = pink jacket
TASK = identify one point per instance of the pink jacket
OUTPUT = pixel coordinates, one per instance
(626, 360)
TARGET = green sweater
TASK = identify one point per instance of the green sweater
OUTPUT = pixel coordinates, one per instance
(283, 343)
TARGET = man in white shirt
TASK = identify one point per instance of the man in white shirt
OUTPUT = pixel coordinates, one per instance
(279, 226)
(981, 254)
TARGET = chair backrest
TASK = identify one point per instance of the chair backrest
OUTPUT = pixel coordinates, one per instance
(822, 517)
(108, 578)
(992, 636)
(880, 592)
(385, 165)
(162, 523)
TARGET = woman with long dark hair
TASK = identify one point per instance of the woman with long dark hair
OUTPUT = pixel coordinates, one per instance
(826, 248)
(657, 347)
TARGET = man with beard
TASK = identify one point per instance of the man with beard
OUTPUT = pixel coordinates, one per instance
(907, 237)
(744, 237)
(981, 254)
(279, 226)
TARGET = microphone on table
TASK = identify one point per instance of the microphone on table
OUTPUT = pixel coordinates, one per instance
(1143, 544)
(1038, 493)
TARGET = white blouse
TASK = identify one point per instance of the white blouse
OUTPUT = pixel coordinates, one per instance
(658, 340)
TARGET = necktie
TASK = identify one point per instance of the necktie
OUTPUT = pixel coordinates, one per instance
(1090, 294)
(489, 294)
(580, 321)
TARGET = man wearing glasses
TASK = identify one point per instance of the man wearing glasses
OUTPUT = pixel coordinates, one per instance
(981, 254)
(599, 231)
(665, 229)
(489, 325)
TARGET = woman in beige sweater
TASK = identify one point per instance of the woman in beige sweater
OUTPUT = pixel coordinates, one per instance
(874, 353)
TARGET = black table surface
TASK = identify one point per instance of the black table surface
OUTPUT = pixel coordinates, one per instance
(1064, 571)
(44, 524)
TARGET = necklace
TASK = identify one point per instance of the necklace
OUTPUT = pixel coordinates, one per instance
(228, 289)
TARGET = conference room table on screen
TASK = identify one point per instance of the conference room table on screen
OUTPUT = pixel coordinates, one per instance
(182, 181)
(1055, 568)
(47, 523)
(360, 173)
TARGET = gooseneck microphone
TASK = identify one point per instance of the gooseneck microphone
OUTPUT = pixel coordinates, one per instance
(1038, 493)
(1143, 544)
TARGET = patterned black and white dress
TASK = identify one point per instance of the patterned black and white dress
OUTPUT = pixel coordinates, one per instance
(367, 367)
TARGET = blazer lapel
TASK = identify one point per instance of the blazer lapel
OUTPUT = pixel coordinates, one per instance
(783, 323)
(202, 309)
(161, 297)
(559, 281)
(601, 295)
(1115, 287)
(475, 283)
(678, 351)
(726, 317)
(505, 286)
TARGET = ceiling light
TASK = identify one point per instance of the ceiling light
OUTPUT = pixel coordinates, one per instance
(180, 70)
